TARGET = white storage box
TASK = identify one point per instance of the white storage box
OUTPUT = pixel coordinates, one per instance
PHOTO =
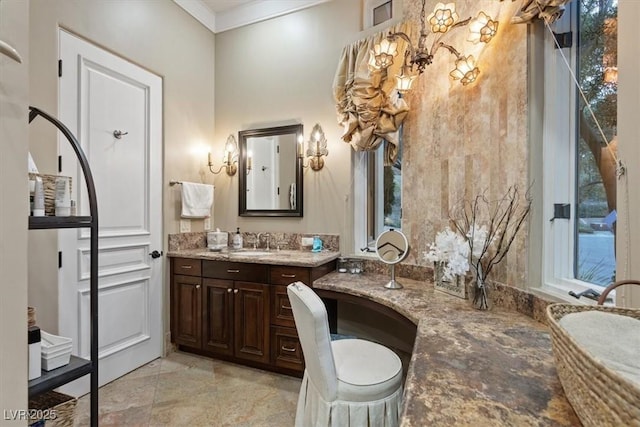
(55, 351)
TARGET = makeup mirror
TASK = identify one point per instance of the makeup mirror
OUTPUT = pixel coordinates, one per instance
(392, 247)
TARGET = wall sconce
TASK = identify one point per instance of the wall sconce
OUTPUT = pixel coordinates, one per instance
(317, 148)
(443, 19)
(230, 162)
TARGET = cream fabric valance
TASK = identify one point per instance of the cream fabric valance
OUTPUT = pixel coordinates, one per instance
(369, 108)
(549, 10)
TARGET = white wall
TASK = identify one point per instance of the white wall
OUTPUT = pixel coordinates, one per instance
(14, 208)
(280, 72)
(157, 35)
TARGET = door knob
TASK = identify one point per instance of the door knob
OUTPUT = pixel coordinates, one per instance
(156, 254)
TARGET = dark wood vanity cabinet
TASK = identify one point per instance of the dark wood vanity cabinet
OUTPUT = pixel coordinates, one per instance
(238, 311)
(186, 302)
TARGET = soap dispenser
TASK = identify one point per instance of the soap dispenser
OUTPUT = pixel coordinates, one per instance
(237, 239)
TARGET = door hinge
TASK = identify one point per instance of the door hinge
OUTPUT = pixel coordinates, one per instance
(59, 67)
(277, 149)
(563, 39)
(59, 259)
(59, 163)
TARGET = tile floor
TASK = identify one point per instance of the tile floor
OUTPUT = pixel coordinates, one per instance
(188, 390)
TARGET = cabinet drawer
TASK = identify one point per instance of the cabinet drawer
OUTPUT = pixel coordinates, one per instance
(283, 275)
(281, 313)
(187, 266)
(235, 271)
(286, 351)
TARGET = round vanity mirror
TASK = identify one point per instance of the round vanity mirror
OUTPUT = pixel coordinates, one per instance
(392, 246)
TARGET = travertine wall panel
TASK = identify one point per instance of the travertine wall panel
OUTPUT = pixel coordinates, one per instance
(464, 140)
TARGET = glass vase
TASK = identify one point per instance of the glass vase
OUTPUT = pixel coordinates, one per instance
(480, 290)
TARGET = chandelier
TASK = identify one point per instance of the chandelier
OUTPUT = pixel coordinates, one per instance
(442, 21)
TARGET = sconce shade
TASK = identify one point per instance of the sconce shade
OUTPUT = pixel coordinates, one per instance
(231, 146)
(482, 29)
(317, 145)
(404, 81)
(466, 70)
(443, 17)
(230, 158)
(383, 53)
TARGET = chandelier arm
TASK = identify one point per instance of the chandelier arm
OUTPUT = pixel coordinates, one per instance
(406, 38)
(460, 24)
(450, 48)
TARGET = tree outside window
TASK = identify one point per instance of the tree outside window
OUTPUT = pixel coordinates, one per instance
(596, 167)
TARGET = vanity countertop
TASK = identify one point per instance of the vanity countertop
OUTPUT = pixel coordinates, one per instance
(468, 367)
(261, 256)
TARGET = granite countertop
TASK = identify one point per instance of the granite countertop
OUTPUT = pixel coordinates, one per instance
(261, 256)
(468, 367)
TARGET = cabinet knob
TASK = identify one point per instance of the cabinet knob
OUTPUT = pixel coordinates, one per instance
(288, 276)
(229, 290)
(233, 271)
(197, 286)
(288, 349)
(235, 291)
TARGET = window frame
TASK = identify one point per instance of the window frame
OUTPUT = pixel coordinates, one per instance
(368, 199)
(559, 164)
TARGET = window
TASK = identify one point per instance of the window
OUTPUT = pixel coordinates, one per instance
(578, 166)
(376, 12)
(379, 206)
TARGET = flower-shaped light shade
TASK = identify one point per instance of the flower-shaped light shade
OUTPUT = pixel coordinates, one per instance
(442, 17)
(404, 81)
(466, 70)
(482, 29)
(383, 53)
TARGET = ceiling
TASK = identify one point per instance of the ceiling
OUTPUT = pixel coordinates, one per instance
(222, 15)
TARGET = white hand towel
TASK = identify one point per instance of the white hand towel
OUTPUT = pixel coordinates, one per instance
(197, 200)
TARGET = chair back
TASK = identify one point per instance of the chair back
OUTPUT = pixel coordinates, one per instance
(312, 324)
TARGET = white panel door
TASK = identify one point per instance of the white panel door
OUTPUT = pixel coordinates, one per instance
(262, 186)
(101, 93)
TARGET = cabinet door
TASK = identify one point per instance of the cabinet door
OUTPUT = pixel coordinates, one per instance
(251, 321)
(218, 316)
(187, 311)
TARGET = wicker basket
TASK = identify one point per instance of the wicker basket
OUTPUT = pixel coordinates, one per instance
(49, 187)
(52, 409)
(599, 395)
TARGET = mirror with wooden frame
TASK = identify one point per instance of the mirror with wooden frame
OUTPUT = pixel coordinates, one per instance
(270, 172)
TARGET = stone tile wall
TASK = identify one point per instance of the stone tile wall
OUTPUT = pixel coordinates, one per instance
(459, 140)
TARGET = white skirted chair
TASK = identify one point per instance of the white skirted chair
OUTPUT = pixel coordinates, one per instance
(349, 382)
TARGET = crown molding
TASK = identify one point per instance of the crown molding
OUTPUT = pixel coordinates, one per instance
(245, 14)
(200, 11)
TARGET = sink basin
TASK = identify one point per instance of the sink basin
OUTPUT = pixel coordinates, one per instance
(251, 253)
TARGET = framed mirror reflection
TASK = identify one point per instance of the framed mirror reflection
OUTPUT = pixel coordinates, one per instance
(270, 172)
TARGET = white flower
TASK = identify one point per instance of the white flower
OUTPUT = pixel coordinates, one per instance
(452, 250)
